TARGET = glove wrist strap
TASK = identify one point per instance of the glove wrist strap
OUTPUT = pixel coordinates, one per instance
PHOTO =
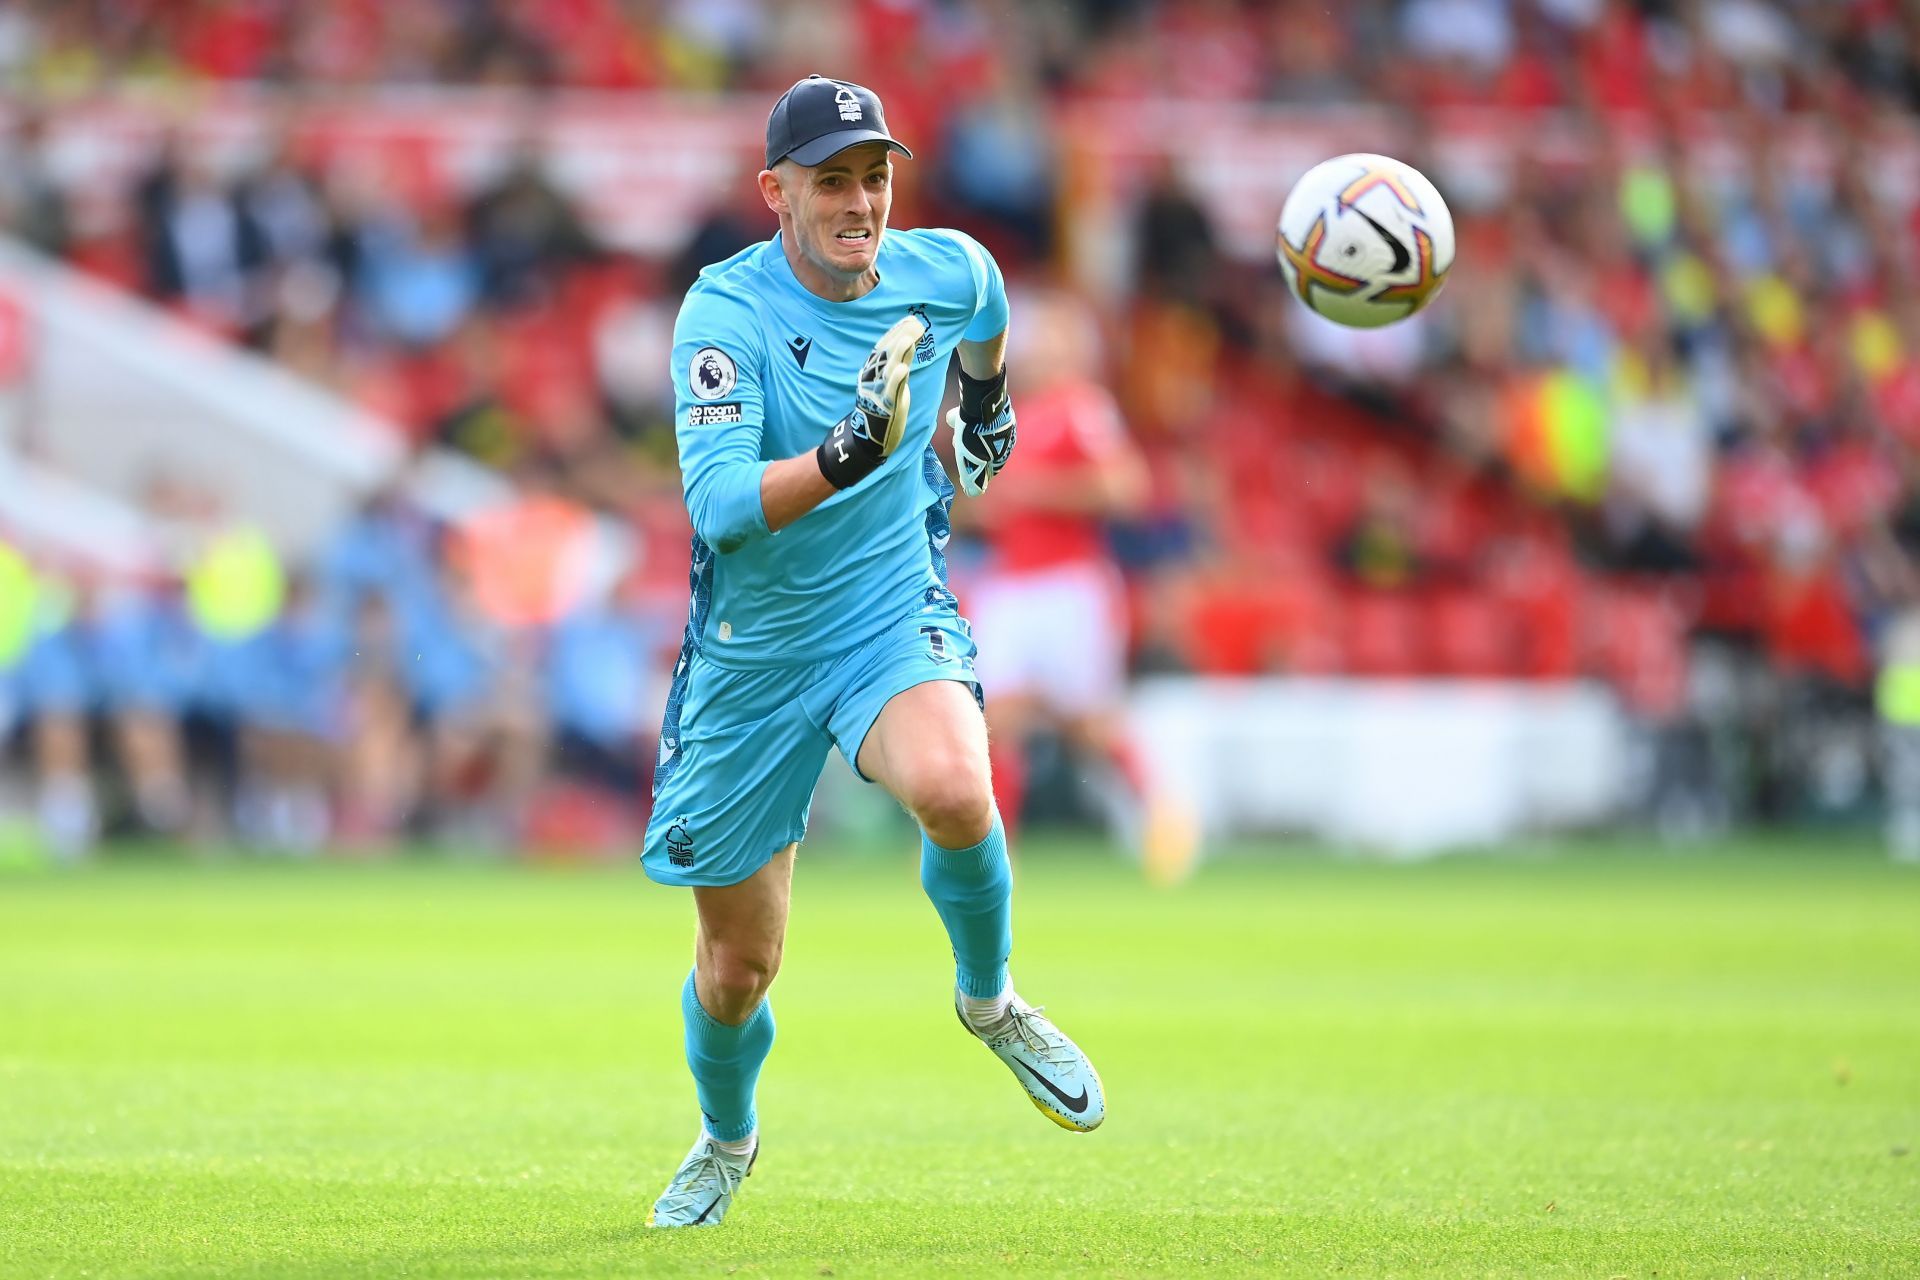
(846, 459)
(981, 399)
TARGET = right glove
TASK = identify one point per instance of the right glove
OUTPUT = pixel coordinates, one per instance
(983, 430)
(865, 438)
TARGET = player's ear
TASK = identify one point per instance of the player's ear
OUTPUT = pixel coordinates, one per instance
(773, 192)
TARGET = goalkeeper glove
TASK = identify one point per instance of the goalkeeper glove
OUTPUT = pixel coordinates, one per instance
(983, 430)
(867, 437)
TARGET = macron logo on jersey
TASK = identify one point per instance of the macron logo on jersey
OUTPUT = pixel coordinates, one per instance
(801, 346)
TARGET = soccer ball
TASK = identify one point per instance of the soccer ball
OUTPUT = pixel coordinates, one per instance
(1365, 240)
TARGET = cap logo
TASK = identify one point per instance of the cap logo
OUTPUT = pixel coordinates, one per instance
(849, 104)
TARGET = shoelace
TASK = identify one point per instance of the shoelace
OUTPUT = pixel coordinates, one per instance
(704, 1175)
(1053, 1052)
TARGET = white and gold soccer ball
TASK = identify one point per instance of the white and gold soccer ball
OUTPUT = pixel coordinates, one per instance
(1365, 240)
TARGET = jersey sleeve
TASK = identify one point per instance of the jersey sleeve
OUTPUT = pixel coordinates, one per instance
(718, 413)
(989, 289)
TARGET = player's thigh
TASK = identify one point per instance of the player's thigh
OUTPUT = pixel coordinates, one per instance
(928, 747)
(908, 693)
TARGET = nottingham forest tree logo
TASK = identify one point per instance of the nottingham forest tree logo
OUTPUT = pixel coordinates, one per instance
(679, 843)
(923, 350)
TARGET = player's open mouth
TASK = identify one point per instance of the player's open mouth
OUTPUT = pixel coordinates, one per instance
(854, 237)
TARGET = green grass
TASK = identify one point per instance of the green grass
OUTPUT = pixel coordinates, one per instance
(1598, 1063)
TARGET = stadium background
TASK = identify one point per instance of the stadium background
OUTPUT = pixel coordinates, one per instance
(1657, 434)
(338, 519)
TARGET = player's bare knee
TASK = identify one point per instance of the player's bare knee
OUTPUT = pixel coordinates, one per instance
(955, 807)
(737, 979)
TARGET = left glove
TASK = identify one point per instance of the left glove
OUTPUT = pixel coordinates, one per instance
(983, 430)
(867, 437)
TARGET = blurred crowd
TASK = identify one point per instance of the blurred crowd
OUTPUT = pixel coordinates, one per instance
(1612, 54)
(417, 680)
(1660, 429)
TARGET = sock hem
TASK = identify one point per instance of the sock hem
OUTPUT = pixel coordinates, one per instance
(709, 1027)
(975, 987)
(747, 1129)
(976, 857)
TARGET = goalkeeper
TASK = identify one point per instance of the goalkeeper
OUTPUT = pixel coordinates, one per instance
(809, 371)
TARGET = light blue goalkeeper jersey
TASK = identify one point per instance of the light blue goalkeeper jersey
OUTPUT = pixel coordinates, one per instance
(763, 368)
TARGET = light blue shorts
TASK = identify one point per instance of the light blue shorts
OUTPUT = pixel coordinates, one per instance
(741, 751)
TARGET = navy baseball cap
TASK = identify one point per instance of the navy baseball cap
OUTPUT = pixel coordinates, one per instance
(818, 117)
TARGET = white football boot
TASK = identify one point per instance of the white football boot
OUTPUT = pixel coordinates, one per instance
(701, 1190)
(1051, 1068)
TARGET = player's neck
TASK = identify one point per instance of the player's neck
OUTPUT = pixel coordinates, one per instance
(820, 281)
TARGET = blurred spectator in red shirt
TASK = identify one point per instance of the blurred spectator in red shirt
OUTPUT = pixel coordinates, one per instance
(1049, 607)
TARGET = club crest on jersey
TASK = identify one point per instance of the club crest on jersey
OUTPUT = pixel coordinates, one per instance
(712, 374)
(679, 843)
(923, 350)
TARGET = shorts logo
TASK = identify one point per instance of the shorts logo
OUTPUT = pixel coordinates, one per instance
(713, 415)
(712, 374)
(679, 843)
(937, 641)
(923, 350)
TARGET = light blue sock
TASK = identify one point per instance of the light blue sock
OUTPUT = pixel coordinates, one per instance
(725, 1062)
(972, 889)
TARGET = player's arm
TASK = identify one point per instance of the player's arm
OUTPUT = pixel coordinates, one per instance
(983, 425)
(983, 361)
(792, 487)
(719, 415)
(733, 495)
(867, 436)
(857, 444)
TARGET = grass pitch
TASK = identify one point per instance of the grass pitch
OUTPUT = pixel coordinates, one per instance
(1596, 1063)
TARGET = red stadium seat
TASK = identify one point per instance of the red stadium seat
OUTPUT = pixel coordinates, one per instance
(1639, 647)
(1472, 634)
(1384, 634)
(1245, 626)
